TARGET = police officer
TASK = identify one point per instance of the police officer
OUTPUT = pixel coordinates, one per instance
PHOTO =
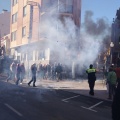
(91, 78)
(33, 70)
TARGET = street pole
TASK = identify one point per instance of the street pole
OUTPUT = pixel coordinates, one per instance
(111, 52)
(111, 56)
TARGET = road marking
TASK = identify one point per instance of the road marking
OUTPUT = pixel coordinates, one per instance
(96, 105)
(65, 100)
(90, 108)
(18, 113)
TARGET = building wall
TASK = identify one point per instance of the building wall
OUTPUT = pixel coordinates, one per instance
(5, 41)
(24, 21)
(4, 23)
(77, 12)
(115, 35)
(32, 35)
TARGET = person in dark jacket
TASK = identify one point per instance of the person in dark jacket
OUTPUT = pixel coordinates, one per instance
(91, 78)
(49, 71)
(13, 70)
(45, 71)
(40, 71)
(59, 72)
(117, 70)
(18, 72)
(22, 72)
(116, 104)
(33, 70)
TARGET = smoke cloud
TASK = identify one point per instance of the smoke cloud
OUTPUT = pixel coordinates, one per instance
(94, 38)
(82, 47)
(61, 37)
(68, 43)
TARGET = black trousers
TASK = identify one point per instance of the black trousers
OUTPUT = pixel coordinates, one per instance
(33, 80)
(91, 86)
(116, 104)
(112, 89)
(18, 78)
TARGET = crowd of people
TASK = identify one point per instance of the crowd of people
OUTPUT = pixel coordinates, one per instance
(57, 72)
(17, 72)
(51, 71)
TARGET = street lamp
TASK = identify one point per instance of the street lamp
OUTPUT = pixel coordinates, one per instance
(111, 52)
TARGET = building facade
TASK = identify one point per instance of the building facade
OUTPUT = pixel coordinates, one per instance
(115, 38)
(4, 32)
(26, 17)
(4, 23)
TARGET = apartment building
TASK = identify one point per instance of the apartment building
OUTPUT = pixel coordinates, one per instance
(4, 23)
(115, 38)
(26, 16)
(4, 31)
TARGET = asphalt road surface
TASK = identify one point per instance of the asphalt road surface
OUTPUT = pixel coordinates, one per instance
(28, 103)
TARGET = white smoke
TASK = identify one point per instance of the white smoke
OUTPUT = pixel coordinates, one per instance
(61, 35)
(69, 43)
(65, 38)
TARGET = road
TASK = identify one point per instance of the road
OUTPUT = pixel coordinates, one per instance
(28, 103)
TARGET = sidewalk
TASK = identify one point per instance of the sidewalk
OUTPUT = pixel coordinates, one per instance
(75, 86)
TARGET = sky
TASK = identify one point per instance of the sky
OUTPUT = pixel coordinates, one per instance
(100, 8)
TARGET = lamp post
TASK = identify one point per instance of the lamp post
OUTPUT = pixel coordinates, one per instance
(111, 52)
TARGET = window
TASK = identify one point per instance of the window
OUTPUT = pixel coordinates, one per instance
(23, 56)
(13, 36)
(14, 2)
(23, 31)
(14, 18)
(24, 11)
(42, 55)
(66, 6)
(46, 4)
(69, 6)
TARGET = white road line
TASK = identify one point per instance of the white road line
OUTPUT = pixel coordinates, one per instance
(18, 113)
(89, 109)
(95, 105)
(65, 100)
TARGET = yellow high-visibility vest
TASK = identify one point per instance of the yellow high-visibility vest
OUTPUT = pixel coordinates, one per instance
(91, 70)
